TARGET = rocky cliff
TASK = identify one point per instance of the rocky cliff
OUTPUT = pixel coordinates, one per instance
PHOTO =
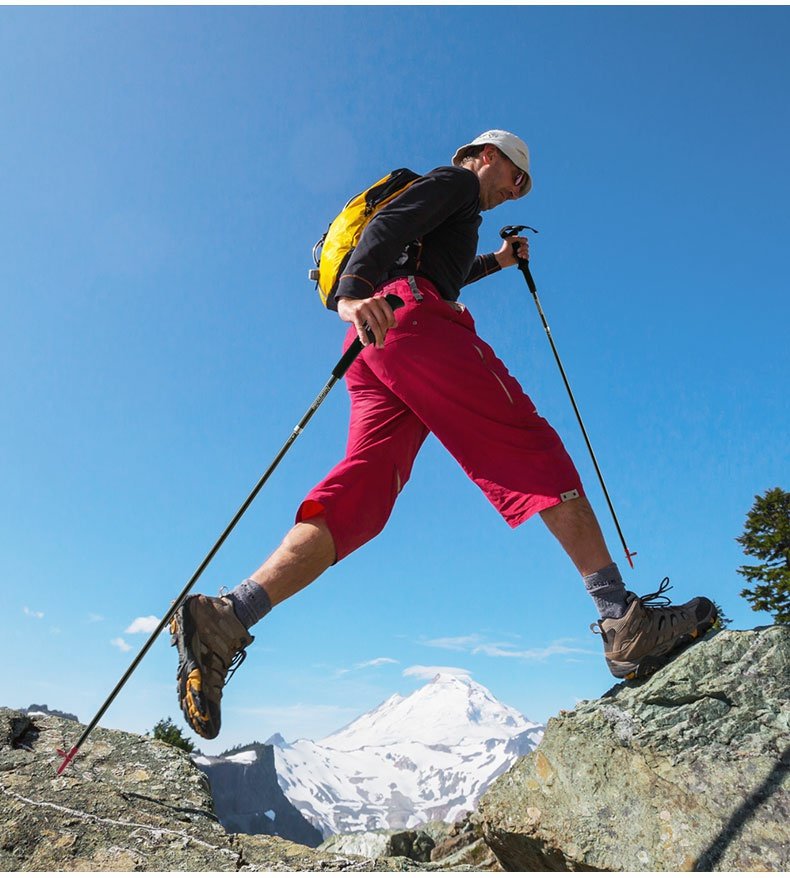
(127, 803)
(42, 708)
(687, 771)
(248, 799)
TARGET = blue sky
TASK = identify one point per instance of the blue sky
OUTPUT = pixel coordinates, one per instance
(164, 175)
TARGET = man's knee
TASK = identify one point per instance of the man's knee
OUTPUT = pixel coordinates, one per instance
(355, 508)
(575, 509)
(314, 528)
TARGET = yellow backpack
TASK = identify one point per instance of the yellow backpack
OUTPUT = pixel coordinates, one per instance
(332, 252)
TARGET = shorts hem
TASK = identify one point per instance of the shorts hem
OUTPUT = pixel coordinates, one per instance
(534, 508)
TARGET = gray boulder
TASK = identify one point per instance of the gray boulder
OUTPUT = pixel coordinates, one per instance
(687, 771)
(414, 844)
(372, 843)
(437, 846)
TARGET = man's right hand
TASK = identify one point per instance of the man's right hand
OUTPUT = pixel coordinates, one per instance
(376, 313)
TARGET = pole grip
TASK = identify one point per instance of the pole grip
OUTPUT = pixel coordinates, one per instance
(355, 348)
(508, 232)
(523, 265)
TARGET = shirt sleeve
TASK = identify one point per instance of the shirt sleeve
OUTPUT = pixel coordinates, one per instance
(421, 208)
(482, 267)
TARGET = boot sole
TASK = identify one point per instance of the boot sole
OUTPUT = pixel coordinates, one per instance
(648, 665)
(185, 638)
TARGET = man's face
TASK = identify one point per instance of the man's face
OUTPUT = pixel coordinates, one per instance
(500, 179)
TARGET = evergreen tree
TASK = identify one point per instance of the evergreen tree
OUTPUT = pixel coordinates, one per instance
(767, 537)
(166, 730)
(722, 619)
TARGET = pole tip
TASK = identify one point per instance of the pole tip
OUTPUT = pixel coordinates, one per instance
(69, 756)
(630, 555)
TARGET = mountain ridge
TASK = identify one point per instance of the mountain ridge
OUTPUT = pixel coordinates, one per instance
(450, 708)
(411, 759)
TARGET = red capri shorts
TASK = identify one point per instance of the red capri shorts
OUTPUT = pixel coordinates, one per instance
(436, 375)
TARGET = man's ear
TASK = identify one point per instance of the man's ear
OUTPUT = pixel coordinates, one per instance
(488, 153)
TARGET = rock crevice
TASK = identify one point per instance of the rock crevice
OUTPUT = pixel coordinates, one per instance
(690, 698)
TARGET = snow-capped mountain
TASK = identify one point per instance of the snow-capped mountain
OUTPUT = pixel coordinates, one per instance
(428, 756)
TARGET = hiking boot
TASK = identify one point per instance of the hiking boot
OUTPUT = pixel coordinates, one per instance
(651, 632)
(211, 645)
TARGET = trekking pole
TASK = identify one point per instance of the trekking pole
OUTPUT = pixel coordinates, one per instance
(523, 265)
(338, 372)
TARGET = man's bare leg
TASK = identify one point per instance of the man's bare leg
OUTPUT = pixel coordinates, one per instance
(305, 553)
(574, 524)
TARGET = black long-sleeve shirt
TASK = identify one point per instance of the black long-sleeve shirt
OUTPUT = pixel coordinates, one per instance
(430, 230)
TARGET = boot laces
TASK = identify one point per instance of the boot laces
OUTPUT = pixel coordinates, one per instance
(658, 598)
(238, 659)
(235, 663)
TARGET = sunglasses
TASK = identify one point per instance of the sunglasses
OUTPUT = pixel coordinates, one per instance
(521, 176)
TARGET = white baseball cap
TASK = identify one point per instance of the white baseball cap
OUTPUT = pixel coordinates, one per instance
(513, 147)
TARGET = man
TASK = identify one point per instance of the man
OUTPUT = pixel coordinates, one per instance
(434, 374)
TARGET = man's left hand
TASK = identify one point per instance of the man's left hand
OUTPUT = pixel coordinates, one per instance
(505, 257)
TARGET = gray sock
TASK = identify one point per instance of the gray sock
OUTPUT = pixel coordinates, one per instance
(250, 602)
(607, 590)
